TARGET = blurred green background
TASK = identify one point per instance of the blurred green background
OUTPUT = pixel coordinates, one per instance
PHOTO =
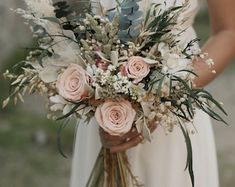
(28, 151)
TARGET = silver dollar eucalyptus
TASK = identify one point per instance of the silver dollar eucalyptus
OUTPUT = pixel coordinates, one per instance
(130, 18)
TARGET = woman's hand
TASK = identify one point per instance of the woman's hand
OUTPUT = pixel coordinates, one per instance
(122, 143)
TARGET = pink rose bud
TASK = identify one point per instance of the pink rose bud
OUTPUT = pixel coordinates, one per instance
(122, 70)
(115, 116)
(100, 64)
(73, 83)
(137, 68)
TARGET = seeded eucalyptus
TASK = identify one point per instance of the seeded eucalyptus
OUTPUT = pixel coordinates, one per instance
(130, 19)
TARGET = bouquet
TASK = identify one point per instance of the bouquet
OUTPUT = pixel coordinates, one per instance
(124, 67)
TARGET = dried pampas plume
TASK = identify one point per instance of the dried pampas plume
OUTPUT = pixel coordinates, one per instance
(41, 7)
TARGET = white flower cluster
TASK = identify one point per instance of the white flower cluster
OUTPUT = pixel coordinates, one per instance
(110, 84)
(172, 58)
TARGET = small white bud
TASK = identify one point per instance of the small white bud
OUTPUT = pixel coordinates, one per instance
(168, 103)
(159, 115)
(182, 99)
(178, 102)
(165, 68)
(213, 71)
(162, 107)
(82, 28)
(202, 56)
(177, 88)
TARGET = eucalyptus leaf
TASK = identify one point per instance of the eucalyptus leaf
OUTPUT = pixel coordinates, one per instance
(214, 102)
(128, 4)
(213, 114)
(136, 22)
(124, 35)
(110, 15)
(184, 83)
(189, 163)
(134, 31)
(135, 16)
(190, 107)
(124, 23)
(130, 20)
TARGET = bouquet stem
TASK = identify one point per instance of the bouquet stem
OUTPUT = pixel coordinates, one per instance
(112, 170)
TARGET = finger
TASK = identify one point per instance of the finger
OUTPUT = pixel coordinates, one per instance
(110, 141)
(134, 141)
(107, 137)
(125, 146)
(109, 144)
(152, 123)
(131, 134)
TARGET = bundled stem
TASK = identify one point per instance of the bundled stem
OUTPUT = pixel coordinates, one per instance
(112, 170)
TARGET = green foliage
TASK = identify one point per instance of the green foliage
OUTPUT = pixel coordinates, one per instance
(130, 19)
(159, 23)
(189, 163)
(12, 61)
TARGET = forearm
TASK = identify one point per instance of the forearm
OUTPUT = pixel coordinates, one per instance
(221, 48)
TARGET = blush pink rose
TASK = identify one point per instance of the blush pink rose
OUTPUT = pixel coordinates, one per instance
(137, 68)
(115, 116)
(73, 83)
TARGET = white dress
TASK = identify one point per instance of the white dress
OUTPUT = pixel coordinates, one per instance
(160, 163)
